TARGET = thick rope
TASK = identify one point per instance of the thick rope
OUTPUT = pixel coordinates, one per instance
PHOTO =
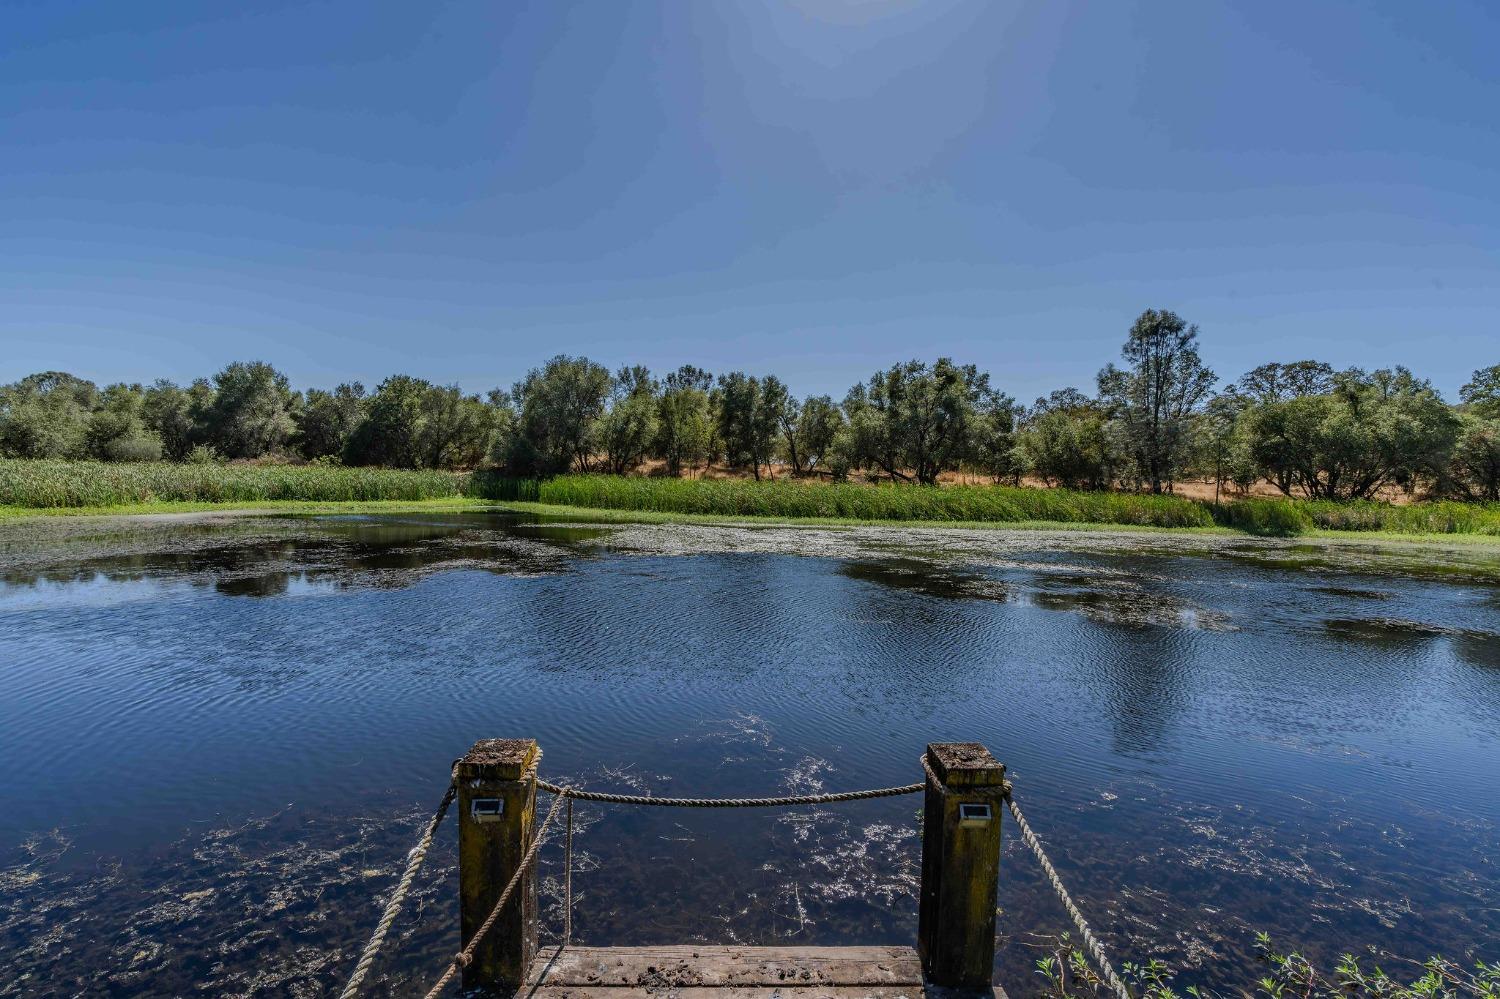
(1095, 949)
(568, 879)
(799, 799)
(393, 907)
(463, 957)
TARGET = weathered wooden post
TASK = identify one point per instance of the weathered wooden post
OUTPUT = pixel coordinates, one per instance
(960, 865)
(496, 819)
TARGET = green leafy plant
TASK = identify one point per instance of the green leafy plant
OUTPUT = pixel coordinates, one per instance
(1289, 975)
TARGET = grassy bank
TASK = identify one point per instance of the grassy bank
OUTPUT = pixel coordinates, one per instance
(108, 485)
(990, 504)
(1004, 504)
(102, 484)
(96, 487)
(446, 504)
(596, 515)
(1287, 518)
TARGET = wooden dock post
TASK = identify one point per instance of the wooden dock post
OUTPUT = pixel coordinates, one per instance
(496, 820)
(960, 865)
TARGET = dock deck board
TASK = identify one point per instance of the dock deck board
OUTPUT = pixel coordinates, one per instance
(718, 972)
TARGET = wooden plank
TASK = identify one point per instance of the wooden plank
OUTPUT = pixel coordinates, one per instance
(732, 992)
(718, 972)
(718, 966)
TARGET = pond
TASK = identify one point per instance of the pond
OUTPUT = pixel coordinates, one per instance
(220, 735)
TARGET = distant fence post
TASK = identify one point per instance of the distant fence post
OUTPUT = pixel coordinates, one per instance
(960, 865)
(496, 820)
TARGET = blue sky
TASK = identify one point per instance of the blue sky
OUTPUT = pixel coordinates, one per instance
(460, 190)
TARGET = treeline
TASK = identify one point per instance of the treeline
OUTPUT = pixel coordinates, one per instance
(1153, 421)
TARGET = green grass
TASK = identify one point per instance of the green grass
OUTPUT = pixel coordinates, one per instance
(95, 487)
(450, 503)
(1417, 518)
(93, 484)
(1004, 504)
(595, 515)
(1284, 517)
(742, 498)
(101, 484)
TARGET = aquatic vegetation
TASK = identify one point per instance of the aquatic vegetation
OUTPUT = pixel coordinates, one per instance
(267, 905)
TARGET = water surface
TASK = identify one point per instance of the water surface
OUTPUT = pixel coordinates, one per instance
(219, 736)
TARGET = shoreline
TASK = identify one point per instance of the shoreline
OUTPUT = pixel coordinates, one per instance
(462, 504)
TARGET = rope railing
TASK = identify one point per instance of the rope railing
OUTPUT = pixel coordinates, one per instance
(782, 802)
(463, 957)
(393, 907)
(1090, 942)
(566, 795)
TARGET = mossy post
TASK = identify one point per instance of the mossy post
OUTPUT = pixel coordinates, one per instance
(496, 820)
(960, 866)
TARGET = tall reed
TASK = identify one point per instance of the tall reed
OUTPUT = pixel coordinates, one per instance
(52, 483)
(736, 497)
(88, 483)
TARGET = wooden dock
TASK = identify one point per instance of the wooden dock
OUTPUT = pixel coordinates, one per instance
(498, 835)
(718, 972)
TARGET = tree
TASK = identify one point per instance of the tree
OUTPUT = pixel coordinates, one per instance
(411, 423)
(819, 421)
(1223, 449)
(1278, 382)
(45, 415)
(774, 410)
(167, 410)
(116, 431)
(503, 413)
(627, 431)
(738, 397)
(1482, 393)
(1476, 458)
(1064, 442)
(843, 453)
(559, 406)
(252, 413)
(995, 438)
(201, 397)
(1372, 431)
(916, 421)
(454, 430)
(1154, 399)
(867, 441)
(329, 419)
(684, 419)
(391, 432)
